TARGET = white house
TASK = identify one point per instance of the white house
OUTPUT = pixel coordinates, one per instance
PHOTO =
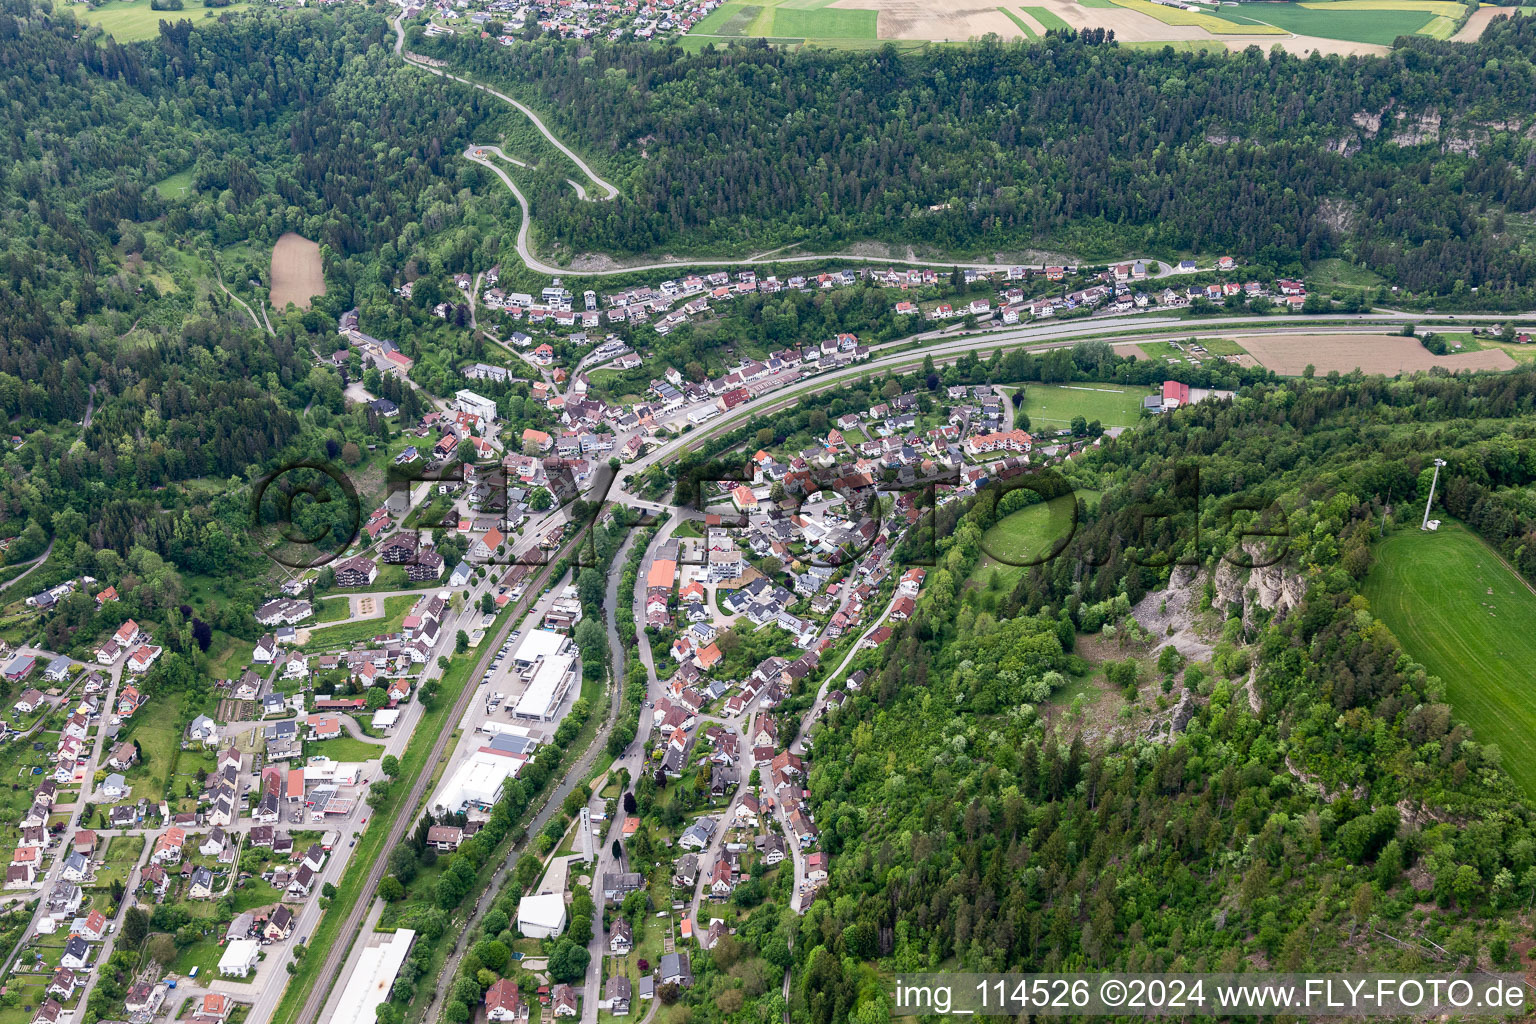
(239, 958)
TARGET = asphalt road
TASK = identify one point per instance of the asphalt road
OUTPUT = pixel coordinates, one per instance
(336, 955)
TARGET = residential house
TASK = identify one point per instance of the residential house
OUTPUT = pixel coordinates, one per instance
(504, 1003)
(77, 954)
(621, 938)
(616, 995)
(675, 970)
(563, 1001)
(202, 884)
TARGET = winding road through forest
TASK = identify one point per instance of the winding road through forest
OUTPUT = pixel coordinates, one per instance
(477, 153)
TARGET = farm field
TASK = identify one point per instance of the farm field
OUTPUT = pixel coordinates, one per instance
(1290, 354)
(789, 19)
(1462, 613)
(297, 275)
(1309, 26)
(1361, 21)
(856, 23)
(1046, 19)
(1054, 405)
(130, 22)
(1210, 22)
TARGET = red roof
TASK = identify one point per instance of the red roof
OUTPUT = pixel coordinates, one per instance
(1173, 391)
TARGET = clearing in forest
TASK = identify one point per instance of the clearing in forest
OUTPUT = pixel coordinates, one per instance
(1458, 609)
(136, 20)
(1032, 534)
(297, 275)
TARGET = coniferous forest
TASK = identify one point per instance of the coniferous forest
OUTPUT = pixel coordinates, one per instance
(1068, 143)
(1318, 800)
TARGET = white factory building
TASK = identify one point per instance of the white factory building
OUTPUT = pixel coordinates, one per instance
(551, 681)
(478, 781)
(374, 975)
(539, 644)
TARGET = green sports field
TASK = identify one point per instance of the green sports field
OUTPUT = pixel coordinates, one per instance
(129, 22)
(1457, 609)
(1054, 405)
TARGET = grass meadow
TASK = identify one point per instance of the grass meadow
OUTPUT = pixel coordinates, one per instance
(1054, 405)
(1460, 611)
(135, 20)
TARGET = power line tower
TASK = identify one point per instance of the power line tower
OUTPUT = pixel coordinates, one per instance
(1432, 482)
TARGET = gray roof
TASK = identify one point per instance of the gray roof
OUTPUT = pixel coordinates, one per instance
(674, 964)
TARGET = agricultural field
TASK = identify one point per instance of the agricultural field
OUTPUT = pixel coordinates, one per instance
(1047, 19)
(1378, 22)
(297, 273)
(1215, 24)
(1290, 354)
(1052, 406)
(854, 23)
(789, 19)
(1459, 610)
(135, 20)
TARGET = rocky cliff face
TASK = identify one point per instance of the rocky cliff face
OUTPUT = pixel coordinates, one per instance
(1276, 588)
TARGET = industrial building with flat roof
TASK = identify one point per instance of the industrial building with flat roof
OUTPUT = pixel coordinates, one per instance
(539, 643)
(539, 917)
(478, 781)
(551, 681)
(373, 976)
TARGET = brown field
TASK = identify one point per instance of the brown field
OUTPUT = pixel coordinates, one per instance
(1472, 31)
(1289, 354)
(297, 275)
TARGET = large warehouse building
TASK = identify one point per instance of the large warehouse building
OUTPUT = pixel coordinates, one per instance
(373, 976)
(551, 681)
(539, 645)
(478, 781)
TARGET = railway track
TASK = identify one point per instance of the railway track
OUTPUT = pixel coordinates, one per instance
(336, 956)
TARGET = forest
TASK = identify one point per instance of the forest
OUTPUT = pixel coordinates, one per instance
(135, 392)
(1067, 143)
(1292, 832)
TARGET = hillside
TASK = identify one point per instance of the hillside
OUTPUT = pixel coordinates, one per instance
(1287, 825)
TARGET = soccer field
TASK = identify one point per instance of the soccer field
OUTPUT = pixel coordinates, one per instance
(1054, 405)
(1457, 609)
